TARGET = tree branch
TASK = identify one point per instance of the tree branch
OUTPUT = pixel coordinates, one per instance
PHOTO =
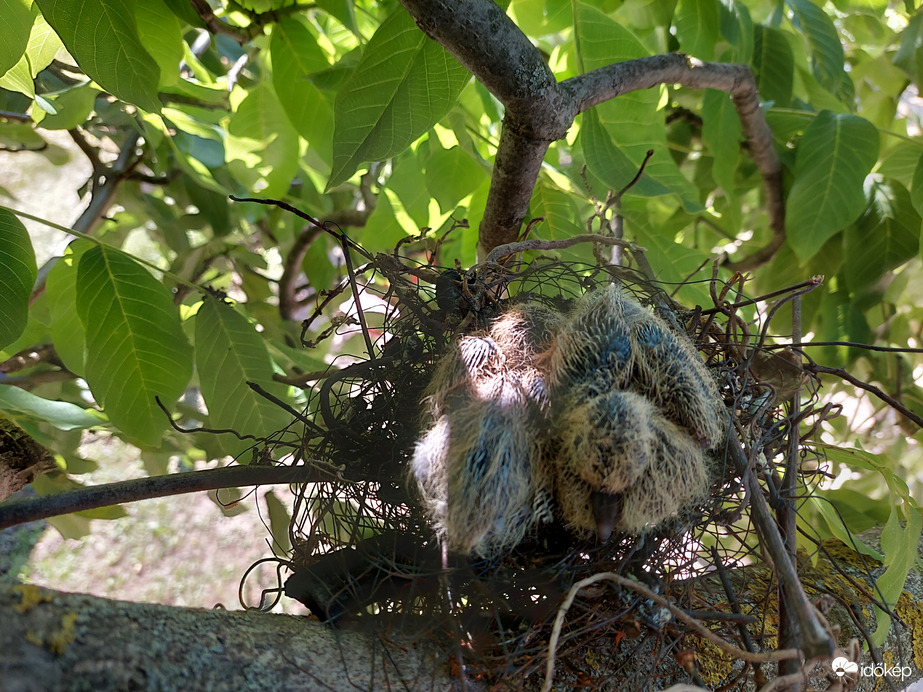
(58, 641)
(21, 511)
(540, 110)
(216, 26)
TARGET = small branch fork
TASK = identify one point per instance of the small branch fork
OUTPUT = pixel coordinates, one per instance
(540, 110)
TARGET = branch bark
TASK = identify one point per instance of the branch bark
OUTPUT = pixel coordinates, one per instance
(56, 641)
(540, 110)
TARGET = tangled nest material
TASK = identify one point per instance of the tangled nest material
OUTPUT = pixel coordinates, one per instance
(520, 414)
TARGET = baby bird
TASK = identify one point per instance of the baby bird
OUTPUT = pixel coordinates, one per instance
(476, 465)
(634, 410)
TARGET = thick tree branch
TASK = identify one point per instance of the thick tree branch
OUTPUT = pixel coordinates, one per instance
(57, 641)
(540, 110)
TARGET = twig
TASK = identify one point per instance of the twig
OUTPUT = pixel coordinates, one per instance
(851, 344)
(814, 280)
(18, 117)
(508, 249)
(787, 513)
(855, 381)
(679, 614)
(816, 642)
(21, 511)
(288, 303)
(216, 26)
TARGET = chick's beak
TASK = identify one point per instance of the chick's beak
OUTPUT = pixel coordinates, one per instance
(607, 510)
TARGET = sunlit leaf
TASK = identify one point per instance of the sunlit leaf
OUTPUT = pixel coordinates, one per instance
(295, 56)
(452, 175)
(835, 154)
(17, 17)
(262, 147)
(559, 211)
(17, 276)
(103, 37)
(136, 349)
(403, 85)
(61, 290)
(631, 123)
(159, 32)
(230, 353)
(899, 543)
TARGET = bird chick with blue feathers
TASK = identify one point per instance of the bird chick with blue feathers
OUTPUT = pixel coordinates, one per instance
(635, 410)
(476, 466)
(600, 418)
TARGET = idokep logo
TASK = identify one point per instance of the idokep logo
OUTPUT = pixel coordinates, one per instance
(843, 666)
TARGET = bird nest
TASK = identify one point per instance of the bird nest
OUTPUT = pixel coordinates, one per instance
(515, 429)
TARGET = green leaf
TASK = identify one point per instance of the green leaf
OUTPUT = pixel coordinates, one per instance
(382, 229)
(631, 123)
(673, 262)
(900, 162)
(409, 184)
(899, 545)
(295, 56)
(102, 36)
(67, 332)
(343, 10)
(609, 163)
(17, 277)
(737, 29)
(774, 65)
(230, 353)
(262, 146)
(60, 414)
(839, 531)
(540, 17)
(834, 155)
(160, 34)
(696, 23)
(827, 56)
(452, 175)
(136, 350)
(17, 19)
(722, 133)
(73, 108)
(279, 521)
(559, 210)
(909, 55)
(18, 78)
(916, 190)
(885, 236)
(44, 45)
(403, 85)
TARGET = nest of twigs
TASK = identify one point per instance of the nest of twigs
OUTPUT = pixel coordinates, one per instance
(364, 545)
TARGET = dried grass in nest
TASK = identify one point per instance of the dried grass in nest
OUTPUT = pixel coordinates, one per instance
(363, 545)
